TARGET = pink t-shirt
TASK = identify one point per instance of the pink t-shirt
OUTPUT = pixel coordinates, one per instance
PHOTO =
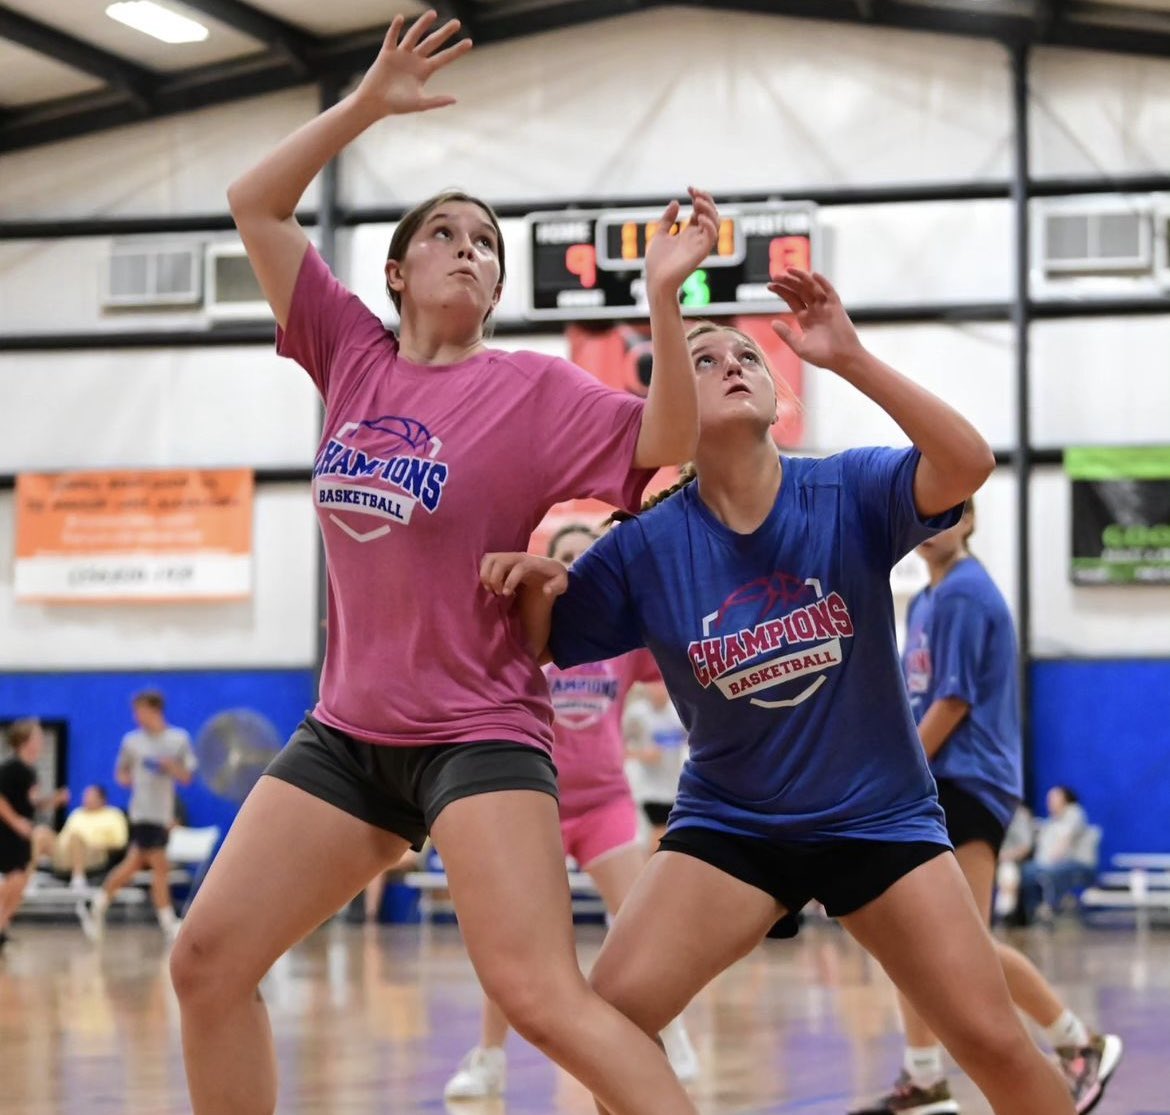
(422, 470)
(589, 751)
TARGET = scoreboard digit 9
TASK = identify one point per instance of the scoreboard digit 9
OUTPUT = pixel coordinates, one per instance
(589, 264)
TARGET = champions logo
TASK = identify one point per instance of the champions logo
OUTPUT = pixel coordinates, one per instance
(377, 468)
(766, 650)
(918, 666)
(580, 700)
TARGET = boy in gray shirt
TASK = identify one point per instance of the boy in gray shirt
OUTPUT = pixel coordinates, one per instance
(151, 761)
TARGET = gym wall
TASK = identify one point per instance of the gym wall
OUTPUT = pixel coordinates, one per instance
(638, 106)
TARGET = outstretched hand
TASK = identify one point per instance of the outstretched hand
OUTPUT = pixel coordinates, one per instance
(672, 257)
(394, 84)
(503, 574)
(822, 333)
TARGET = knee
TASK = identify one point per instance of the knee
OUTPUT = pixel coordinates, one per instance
(203, 972)
(620, 988)
(536, 1004)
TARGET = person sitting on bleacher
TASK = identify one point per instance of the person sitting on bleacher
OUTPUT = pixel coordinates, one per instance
(88, 842)
(1065, 859)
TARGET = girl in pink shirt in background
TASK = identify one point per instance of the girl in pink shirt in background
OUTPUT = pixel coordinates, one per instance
(599, 818)
(433, 715)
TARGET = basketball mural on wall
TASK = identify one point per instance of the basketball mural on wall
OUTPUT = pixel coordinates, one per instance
(621, 357)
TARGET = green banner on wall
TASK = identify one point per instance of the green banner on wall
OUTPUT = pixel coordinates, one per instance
(1120, 515)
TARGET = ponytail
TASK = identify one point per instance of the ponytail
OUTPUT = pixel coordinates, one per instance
(686, 475)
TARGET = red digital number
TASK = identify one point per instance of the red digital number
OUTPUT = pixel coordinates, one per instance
(581, 260)
(789, 251)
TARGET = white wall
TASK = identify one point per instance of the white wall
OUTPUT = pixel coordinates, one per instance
(176, 165)
(154, 407)
(1099, 114)
(615, 109)
(277, 627)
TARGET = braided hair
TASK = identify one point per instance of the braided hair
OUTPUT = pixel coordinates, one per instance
(686, 475)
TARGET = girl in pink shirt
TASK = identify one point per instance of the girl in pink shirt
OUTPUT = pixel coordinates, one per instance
(599, 819)
(433, 716)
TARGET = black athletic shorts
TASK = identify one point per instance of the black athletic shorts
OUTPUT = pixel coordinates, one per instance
(968, 819)
(15, 851)
(843, 875)
(657, 812)
(403, 789)
(148, 837)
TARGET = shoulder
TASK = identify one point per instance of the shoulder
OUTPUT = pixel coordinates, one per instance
(537, 367)
(970, 582)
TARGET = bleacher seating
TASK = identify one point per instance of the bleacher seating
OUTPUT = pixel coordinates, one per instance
(189, 852)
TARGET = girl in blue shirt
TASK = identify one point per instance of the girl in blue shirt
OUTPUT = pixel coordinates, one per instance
(960, 671)
(763, 591)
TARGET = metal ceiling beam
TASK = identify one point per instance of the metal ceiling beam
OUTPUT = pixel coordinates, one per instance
(284, 38)
(346, 55)
(136, 82)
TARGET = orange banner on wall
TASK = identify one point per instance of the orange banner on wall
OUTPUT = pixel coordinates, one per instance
(182, 534)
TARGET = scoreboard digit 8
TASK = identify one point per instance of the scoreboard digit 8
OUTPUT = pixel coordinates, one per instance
(589, 264)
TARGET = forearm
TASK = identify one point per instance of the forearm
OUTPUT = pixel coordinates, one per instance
(535, 608)
(958, 458)
(670, 422)
(275, 185)
(940, 722)
(12, 819)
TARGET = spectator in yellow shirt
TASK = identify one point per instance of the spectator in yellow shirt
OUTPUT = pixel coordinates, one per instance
(91, 835)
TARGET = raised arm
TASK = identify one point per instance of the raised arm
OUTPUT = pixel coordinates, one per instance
(264, 199)
(670, 422)
(955, 459)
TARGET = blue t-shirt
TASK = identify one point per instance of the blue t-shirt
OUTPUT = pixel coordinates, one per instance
(777, 648)
(960, 642)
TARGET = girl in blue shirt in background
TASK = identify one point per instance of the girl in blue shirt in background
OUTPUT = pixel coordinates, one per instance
(762, 589)
(960, 671)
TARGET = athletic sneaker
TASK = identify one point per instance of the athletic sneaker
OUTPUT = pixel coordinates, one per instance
(907, 1098)
(92, 918)
(481, 1075)
(679, 1052)
(1089, 1068)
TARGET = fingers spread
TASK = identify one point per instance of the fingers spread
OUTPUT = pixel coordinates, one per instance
(791, 294)
(438, 37)
(450, 54)
(669, 216)
(391, 40)
(419, 28)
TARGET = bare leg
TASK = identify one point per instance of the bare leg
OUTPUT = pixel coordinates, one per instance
(289, 862)
(1028, 988)
(75, 849)
(615, 874)
(683, 923)
(11, 895)
(160, 884)
(134, 862)
(506, 870)
(973, 1016)
(372, 899)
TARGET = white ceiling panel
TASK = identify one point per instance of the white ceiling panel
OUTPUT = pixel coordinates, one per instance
(26, 77)
(340, 16)
(87, 20)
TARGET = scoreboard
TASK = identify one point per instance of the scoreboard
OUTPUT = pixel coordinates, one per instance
(589, 263)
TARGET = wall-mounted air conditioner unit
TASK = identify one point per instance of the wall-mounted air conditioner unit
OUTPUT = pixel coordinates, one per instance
(231, 290)
(1162, 240)
(148, 273)
(1093, 245)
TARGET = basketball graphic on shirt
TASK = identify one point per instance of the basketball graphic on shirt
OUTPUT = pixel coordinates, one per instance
(581, 697)
(374, 473)
(772, 641)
